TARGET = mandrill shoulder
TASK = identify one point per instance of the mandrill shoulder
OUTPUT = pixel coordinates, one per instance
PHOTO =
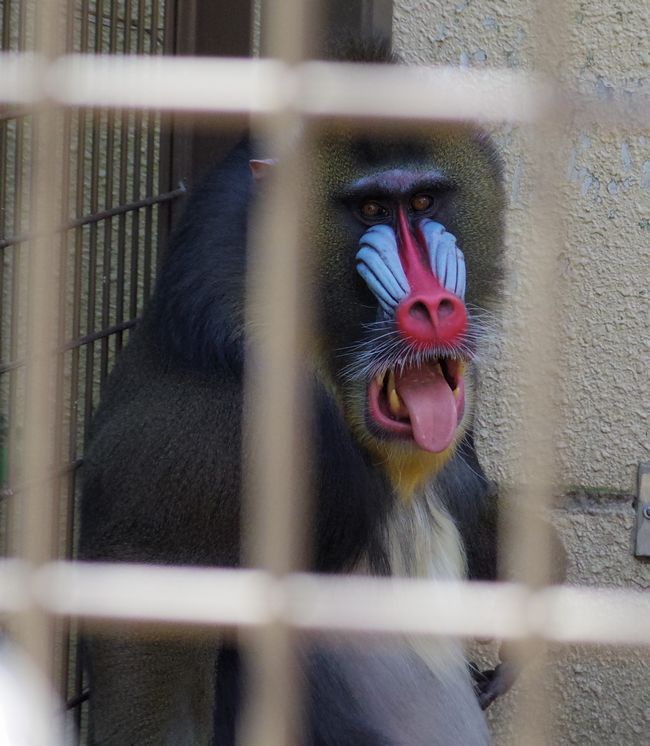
(163, 436)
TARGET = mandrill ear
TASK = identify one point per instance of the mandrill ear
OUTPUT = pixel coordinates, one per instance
(260, 168)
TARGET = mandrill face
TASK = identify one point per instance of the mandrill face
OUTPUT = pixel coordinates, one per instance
(417, 274)
(413, 249)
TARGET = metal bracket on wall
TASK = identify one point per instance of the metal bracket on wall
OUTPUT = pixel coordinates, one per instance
(642, 543)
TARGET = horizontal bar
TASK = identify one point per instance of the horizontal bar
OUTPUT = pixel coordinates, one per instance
(207, 597)
(103, 214)
(22, 77)
(313, 89)
(8, 113)
(77, 700)
(80, 342)
(11, 490)
(11, 365)
(102, 333)
(227, 598)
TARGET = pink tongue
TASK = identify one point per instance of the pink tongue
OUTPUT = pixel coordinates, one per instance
(432, 407)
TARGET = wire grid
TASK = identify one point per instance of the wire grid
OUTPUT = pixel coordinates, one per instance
(108, 206)
(270, 601)
(110, 229)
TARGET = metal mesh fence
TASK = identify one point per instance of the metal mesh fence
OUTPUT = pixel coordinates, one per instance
(109, 207)
(107, 202)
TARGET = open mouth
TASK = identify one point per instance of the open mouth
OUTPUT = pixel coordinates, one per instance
(424, 402)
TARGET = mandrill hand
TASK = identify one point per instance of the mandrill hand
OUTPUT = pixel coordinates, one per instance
(493, 683)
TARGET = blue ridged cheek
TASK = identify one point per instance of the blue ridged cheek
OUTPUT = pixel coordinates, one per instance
(446, 259)
(379, 264)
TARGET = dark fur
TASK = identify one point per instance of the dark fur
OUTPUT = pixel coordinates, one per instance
(199, 316)
(188, 353)
(162, 484)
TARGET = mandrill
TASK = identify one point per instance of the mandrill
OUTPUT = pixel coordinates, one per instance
(405, 253)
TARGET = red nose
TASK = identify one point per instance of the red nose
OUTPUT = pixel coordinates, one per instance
(432, 317)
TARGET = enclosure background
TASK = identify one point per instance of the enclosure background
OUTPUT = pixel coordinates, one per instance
(603, 389)
(603, 385)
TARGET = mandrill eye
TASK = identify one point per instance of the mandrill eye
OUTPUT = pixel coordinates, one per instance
(421, 202)
(373, 211)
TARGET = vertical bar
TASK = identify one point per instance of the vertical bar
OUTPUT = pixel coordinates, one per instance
(149, 211)
(76, 31)
(123, 194)
(17, 274)
(75, 362)
(528, 542)
(35, 630)
(4, 196)
(166, 176)
(22, 26)
(5, 299)
(153, 137)
(108, 223)
(60, 524)
(138, 120)
(91, 301)
(276, 486)
(62, 527)
(14, 38)
(36, 535)
(4, 123)
(6, 25)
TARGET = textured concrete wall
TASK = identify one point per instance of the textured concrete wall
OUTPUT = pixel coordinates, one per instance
(600, 696)
(603, 384)
(606, 259)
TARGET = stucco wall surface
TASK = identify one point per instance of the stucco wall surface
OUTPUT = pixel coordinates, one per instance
(602, 379)
(600, 696)
(604, 321)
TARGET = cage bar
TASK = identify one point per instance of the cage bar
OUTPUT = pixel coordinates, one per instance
(37, 508)
(112, 595)
(273, 603)
(237, 86)
(276, 488)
